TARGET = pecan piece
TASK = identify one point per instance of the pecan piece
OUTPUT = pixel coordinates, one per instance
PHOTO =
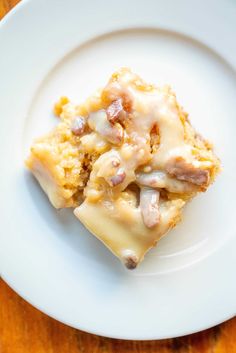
(112, 133)
(115, 111)
(161, 180)
(78, 125)
(149, 205)
(118, 178)
(129, 259)
(183, 170)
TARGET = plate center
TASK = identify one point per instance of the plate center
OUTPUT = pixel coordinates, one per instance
(200, 79)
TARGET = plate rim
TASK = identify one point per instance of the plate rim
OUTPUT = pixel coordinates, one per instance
(6, 20)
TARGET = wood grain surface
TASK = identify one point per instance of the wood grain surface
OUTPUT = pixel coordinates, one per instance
(24, 329)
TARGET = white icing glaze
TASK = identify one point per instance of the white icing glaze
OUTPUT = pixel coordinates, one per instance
(122, 118)
(120, 227)
(149, 108)
(123, 227)
(123, 141)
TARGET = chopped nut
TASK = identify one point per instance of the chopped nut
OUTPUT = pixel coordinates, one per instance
(78, 125)
(118, 178)
(112, 133)
(130, 260)
(149, 200)
(161, 180)
(108, 168)
(113, 93)
(127, 102)
(183, 170)
(115, 111)
(131, 263)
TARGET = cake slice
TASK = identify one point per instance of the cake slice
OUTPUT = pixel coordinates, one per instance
(128, 160)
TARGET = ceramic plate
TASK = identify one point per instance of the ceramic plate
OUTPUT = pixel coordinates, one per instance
(53, 48)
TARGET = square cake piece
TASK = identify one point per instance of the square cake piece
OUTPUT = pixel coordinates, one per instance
(127, 160)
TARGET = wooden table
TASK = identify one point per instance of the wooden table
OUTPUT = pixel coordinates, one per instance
(23, 329)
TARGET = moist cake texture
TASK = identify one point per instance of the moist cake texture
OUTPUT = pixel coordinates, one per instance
(127, 160)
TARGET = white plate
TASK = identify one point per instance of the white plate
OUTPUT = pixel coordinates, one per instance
(53, 48)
